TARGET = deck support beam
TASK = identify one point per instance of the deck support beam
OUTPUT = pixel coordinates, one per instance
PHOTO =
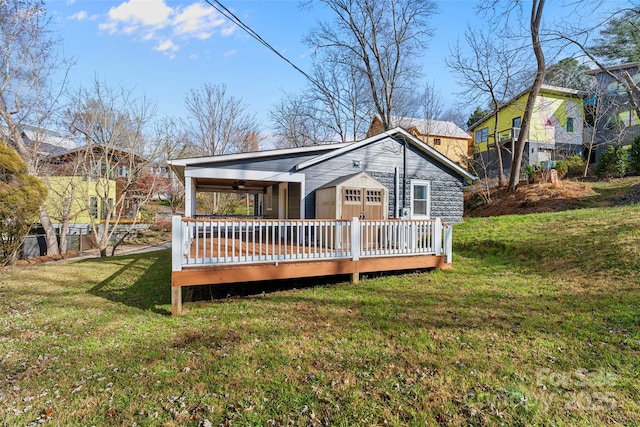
(176, 300)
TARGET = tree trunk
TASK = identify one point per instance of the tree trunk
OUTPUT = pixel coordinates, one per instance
(496, 140)
(64, 229)
(50, 234)
(536, 18)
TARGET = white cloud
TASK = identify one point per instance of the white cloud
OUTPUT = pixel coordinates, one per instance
(169, 27)
(230, 53)
(141, 12)
(83, 16)
(166, 45)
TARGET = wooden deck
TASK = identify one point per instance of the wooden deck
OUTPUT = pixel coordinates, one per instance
(220, 252)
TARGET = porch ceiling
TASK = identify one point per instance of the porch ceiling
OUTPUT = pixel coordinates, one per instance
(222, 185)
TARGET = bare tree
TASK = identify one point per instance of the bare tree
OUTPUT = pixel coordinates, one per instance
(65, 203)
(295, 123)
(455, 115)
(504, 13)
(112, 123)
(170, 143)
(580, 38)
(29, 64)
(492, 73)
(431, 102)
(334, 107)
(379, 40)
(218, 123)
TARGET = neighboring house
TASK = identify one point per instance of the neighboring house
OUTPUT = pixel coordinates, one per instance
(103, 170)
(555, 130)
(446, 137)
(420, 182)
(609, 116)
(77, 198)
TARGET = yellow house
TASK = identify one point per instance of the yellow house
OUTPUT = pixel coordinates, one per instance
(77, 199)
(555, 130)
(446, 137)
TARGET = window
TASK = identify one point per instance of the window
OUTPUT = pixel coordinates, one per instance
(93, 207)
(569, 124)
(420, 199)
(437, 141)
(352, 196)
(107, 207)
(516, 122)
(373, 197)
(123, 171)
(482, 135)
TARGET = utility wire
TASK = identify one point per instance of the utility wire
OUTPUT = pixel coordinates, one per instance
(233, 18)
(222, 9)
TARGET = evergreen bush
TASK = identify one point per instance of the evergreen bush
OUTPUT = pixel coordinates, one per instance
(614, 163)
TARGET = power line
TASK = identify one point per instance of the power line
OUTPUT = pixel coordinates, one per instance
(222, 9)
(233, 18)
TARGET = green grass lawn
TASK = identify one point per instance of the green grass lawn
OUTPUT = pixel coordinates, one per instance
(538, 323)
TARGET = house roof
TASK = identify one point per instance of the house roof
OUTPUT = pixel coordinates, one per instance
(617, 67)
(343, 179)
(431, 127)
(323, 152)
(431, 152)
(557, 90)
(82, 148)
(253, 155)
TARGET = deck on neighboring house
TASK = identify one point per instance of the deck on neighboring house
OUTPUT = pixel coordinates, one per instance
(218, 251)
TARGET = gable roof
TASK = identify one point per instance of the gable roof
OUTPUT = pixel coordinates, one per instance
(431, 127)
(556, 90)
(429, 151)
(626, 66)
(344, 179)
(192, 161)
(322, 153)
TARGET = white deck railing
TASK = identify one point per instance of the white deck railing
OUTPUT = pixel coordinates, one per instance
(227, 242)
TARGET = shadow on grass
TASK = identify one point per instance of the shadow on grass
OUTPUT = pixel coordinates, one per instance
(142, 281)
(248, 289)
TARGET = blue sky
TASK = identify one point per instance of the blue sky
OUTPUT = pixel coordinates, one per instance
(165, 48)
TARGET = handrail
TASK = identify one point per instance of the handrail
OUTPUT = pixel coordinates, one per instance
(199, 241)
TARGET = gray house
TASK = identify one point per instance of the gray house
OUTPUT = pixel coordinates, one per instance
(420, 182)
(322, 210)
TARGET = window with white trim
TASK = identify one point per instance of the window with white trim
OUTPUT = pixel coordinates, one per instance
(420, 199)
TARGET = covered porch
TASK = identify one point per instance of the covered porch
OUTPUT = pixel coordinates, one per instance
(220, 251)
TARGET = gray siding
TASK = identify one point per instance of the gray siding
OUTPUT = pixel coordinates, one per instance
(379, 160)
(294, 200)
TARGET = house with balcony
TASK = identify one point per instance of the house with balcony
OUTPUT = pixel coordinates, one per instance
(445, 137)
(610, 118)
(555, 131)
(385, 203)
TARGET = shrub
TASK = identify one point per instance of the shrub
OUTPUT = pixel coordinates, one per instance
(530, 171)
(634, 156)
(613, 163)
(575, 164)
(562, 167)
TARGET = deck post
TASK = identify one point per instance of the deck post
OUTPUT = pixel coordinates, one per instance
(176, 263)
(448, 243)
(355, 239)
(437, 237)
(176, 300)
